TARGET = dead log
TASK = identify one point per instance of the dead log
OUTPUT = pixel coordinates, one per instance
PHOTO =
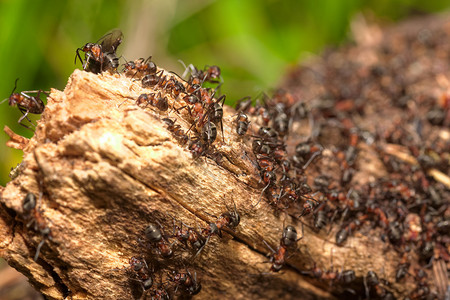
(103, 168)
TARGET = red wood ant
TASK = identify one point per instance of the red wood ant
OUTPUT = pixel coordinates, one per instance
(198, 147)
(101, 57)
(342, 235)
(33, 216)
(188, 235)
(177, 131)
(152, 79)
(344, 276)
(155, 100)
(287, 241)
(26, 103)
(142, 272)
(185, 280)
(155, 236)
(140, 67)
(230, 219)
(208, 74)
(305, 153)
(371, 282)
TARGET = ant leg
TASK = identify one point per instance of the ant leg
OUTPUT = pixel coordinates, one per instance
(268, 246)
(260, 197)
(366, 288)
(303, 233)
(38, 249)
(201, 248)
(310, 160)
(25, 116)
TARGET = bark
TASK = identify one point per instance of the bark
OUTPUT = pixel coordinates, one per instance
(106, 168)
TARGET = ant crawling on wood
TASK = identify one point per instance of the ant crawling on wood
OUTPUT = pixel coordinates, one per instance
(176, 130)
(343, 276)
(371, 283)
(187, 281)
(156, 237)
(230, 219)
(155, 100)
(287, 241)
(188, 235)
(33, 215)
(27, 104)
(140, 67)
(141, 271)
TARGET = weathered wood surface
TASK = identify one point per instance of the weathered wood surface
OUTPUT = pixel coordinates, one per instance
(106, 168)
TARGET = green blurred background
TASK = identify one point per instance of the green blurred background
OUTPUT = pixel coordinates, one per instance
(254, 42)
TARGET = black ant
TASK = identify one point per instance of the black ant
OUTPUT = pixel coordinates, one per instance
(185, 280)
(287, 241)
(155, 236)
(156, 100)
(96, 53)
(177, 131)
(26, 103)
(33, 215)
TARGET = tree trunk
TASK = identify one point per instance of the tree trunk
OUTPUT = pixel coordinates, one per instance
(103, 168)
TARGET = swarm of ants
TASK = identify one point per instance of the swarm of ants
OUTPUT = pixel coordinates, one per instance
(408, 209)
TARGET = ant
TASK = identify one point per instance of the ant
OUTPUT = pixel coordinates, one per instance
(198, 147)
(26, 103)
(153, 99)
(96, 53)
(33, 215)
(371, 281)
(287, 241)
(141, 66)
(342, 235)
(209, 133)
(305, 153)
(242, 123)
(155, 236)
(142, 272)
(230, 219)
(344, 276)
(208, 74)
(187, 281)
(160, 293)
(152, 79)
(195, 239)
(176, 130)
